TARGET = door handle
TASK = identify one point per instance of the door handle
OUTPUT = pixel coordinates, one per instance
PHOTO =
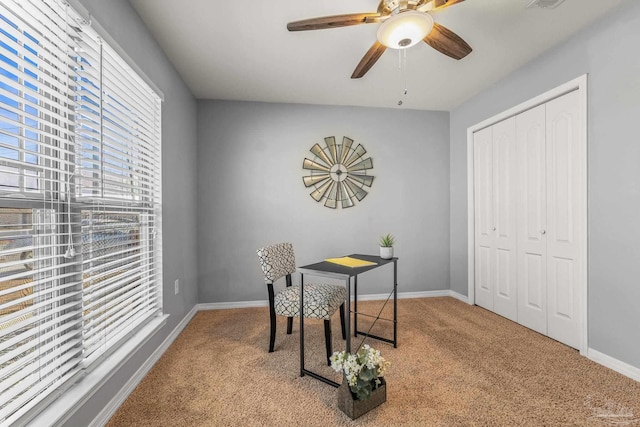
(543, 231)
(494, 229)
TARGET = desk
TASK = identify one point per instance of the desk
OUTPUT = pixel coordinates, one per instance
(337, 271)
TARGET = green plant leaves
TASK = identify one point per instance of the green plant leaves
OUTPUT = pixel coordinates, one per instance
(367, 374)
(387, 240)
(363, 389)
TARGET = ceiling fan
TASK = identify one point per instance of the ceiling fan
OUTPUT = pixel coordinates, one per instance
(404, 23)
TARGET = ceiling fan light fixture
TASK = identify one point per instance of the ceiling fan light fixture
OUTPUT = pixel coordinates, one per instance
(405, 29)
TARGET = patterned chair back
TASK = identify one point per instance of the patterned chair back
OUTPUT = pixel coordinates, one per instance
(277, 261)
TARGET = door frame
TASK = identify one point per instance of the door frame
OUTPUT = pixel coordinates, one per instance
(579, 84)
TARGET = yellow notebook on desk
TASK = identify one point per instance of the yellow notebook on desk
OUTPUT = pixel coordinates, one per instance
(350, 262)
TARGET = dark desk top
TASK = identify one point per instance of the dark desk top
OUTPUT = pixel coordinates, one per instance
(333, 268)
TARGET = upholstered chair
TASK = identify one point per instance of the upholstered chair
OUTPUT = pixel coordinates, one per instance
(321, 301)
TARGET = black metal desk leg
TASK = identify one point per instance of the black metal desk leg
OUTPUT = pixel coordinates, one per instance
(355, 306)
(347, 321)
(301, 325)
(395, 303)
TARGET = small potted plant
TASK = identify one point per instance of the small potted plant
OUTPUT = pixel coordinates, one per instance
(363, 386)
(386, 246)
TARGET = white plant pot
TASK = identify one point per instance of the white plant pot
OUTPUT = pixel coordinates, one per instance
(386, 252)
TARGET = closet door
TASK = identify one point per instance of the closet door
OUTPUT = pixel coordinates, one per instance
(529, 189)
(483, 200)
(532, 219)
(495, 216)
(563, 219)
(504, 211)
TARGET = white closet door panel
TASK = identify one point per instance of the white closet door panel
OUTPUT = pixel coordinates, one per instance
(532, 294)
(484, 235)
(505, 302)
(483, 186)
(484, 277)
(563, 319)
(561, 274)
(562, 163)
(532, 213)
(563, 227)
(505, 297)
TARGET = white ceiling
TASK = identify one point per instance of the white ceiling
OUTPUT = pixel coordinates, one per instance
(241, 50)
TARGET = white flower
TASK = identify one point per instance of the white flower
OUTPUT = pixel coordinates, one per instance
(352, 364)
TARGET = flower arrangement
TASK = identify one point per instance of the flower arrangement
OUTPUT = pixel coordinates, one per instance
(362, 370)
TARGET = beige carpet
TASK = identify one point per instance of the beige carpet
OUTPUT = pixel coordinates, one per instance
(455, 365)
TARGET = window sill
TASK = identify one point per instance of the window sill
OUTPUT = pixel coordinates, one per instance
(67, 401)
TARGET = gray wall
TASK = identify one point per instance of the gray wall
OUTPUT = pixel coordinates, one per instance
(607, 51)
(179, 182)
(251, 193)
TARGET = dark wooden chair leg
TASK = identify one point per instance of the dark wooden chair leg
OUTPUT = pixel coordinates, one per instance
(342, 309)
(327, 337)
(272, 318)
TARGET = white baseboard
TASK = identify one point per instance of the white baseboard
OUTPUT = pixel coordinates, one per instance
(459, 296)
(237, 304)
(404, 295)
(107, 412)
(366, 297)
(614, 364)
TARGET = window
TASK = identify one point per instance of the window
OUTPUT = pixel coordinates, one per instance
(80, 201)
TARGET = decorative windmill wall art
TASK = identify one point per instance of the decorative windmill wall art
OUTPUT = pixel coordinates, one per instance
(338, 173)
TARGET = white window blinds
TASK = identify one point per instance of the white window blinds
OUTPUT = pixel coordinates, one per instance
(80, 200)
(118, 195)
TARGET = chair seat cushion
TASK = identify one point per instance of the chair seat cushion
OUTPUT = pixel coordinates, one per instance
(320, 301)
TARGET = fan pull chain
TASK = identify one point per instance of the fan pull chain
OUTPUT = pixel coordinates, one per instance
(402, 65)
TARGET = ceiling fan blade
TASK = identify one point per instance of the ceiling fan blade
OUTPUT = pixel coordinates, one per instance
(446, 41)
(331, 21)
(369, 58)
(441, 4)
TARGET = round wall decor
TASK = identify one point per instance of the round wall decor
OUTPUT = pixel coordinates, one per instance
(338, 173)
